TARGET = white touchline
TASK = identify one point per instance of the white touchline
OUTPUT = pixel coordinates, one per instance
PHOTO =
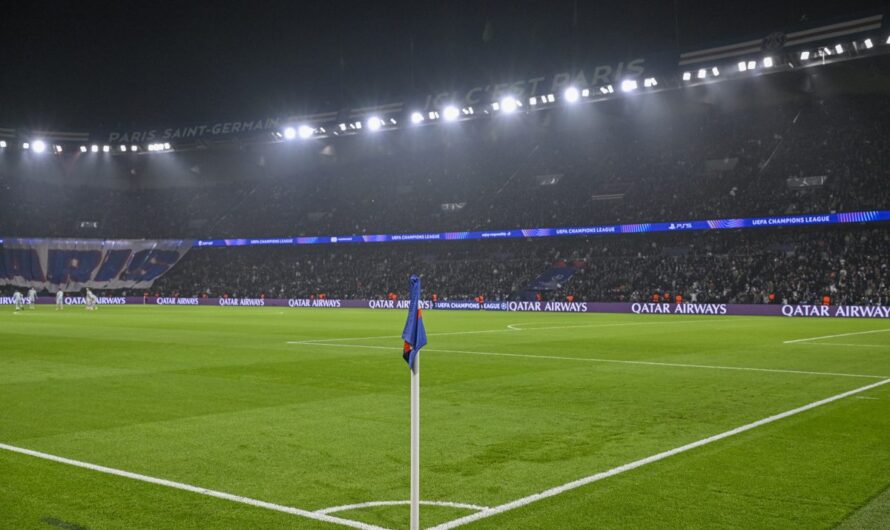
(509, 328)
(840, 335)
(849, 344)
(194, 489)
(447, 504)
(648, 460)
(617, 361)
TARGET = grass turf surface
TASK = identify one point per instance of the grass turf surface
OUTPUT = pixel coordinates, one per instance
(218, 398)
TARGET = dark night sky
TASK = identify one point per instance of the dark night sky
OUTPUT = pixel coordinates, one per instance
(88, 65)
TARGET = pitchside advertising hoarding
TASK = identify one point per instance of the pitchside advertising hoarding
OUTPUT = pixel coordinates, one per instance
(639, 308)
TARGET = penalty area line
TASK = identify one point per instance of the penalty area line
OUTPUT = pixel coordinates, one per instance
(808, 339)
(614, 361)
(194, 489)
(518, 503)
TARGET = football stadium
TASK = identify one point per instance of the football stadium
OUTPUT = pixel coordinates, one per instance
(640, 252)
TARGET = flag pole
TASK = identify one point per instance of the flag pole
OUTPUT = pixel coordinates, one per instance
(415, 445)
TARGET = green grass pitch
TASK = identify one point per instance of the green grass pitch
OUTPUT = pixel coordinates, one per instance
(308, 408)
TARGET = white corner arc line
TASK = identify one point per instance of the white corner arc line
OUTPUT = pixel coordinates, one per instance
(372, 504)
(839, 335)
(648, 460)
(194, 489)
(621, 361)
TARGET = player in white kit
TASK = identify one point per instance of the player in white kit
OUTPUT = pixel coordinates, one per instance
(32, 297)
(60, 300)
(91, 301)
(18, 300)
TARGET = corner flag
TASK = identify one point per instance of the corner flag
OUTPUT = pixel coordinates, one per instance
(414, 333)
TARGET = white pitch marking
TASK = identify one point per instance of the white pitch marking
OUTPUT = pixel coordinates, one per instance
(648, 460)
(868, 397)
(514, 328)
(507, 329)
(194, 489)
(348, 507)
(840, 335)
(620, 361)
(849, 344)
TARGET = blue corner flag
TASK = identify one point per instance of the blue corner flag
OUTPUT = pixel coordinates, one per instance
(414, 333)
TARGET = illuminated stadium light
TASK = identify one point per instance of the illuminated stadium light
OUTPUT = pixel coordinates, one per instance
(106, 148)
(533, 101)
(509, 104)
(2, 144)
(585, 93)
(290, 133)
(166, 145)
(715, 71)
(416, 118)
(702, 73)
(868, 44)
(550, 98)
(888, 40)
(305, 131)
(607, 90)
(434, 115)
(83, 149)
(468, 111)
(94, 148)
(123, 149)
(839, 48)
(342, 126)
(650, 82)
(38, 146)
(629, 85)
(451, 113)
(57, 149)
(687, 76)
(374, 123)
(357, 125)
(768, 62)
(134, 148)
(805, 55)
(393, 121)
(26, 146)
(743, 66)
(571, 94)
(752, 65)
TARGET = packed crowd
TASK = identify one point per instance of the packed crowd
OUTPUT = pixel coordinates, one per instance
(763, 266)
(799, 155)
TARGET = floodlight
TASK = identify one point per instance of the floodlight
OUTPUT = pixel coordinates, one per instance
(83, 149)
(607, 89)
(94, 148)
(629, 85)
(839, 48)
(585, 92)
(805, 55)
(57, 149)
(123, 148)
(106, 148)
(26, 145)
(166, 145)
(650, 82)
(702, 73)
(743, 66)
(290, 133)
(134, 148)
(305, 131)
(687, 76)
(752, 65)
(416, 118)
(2, 144)
(38, 146)
(888, 40)
(434, 115)
(715, 71)
(375, 123)
(768, 62)
(533, 101)
(868, 44)
(571, 94)
(451, 113)
(509, 104)
(550, 98)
